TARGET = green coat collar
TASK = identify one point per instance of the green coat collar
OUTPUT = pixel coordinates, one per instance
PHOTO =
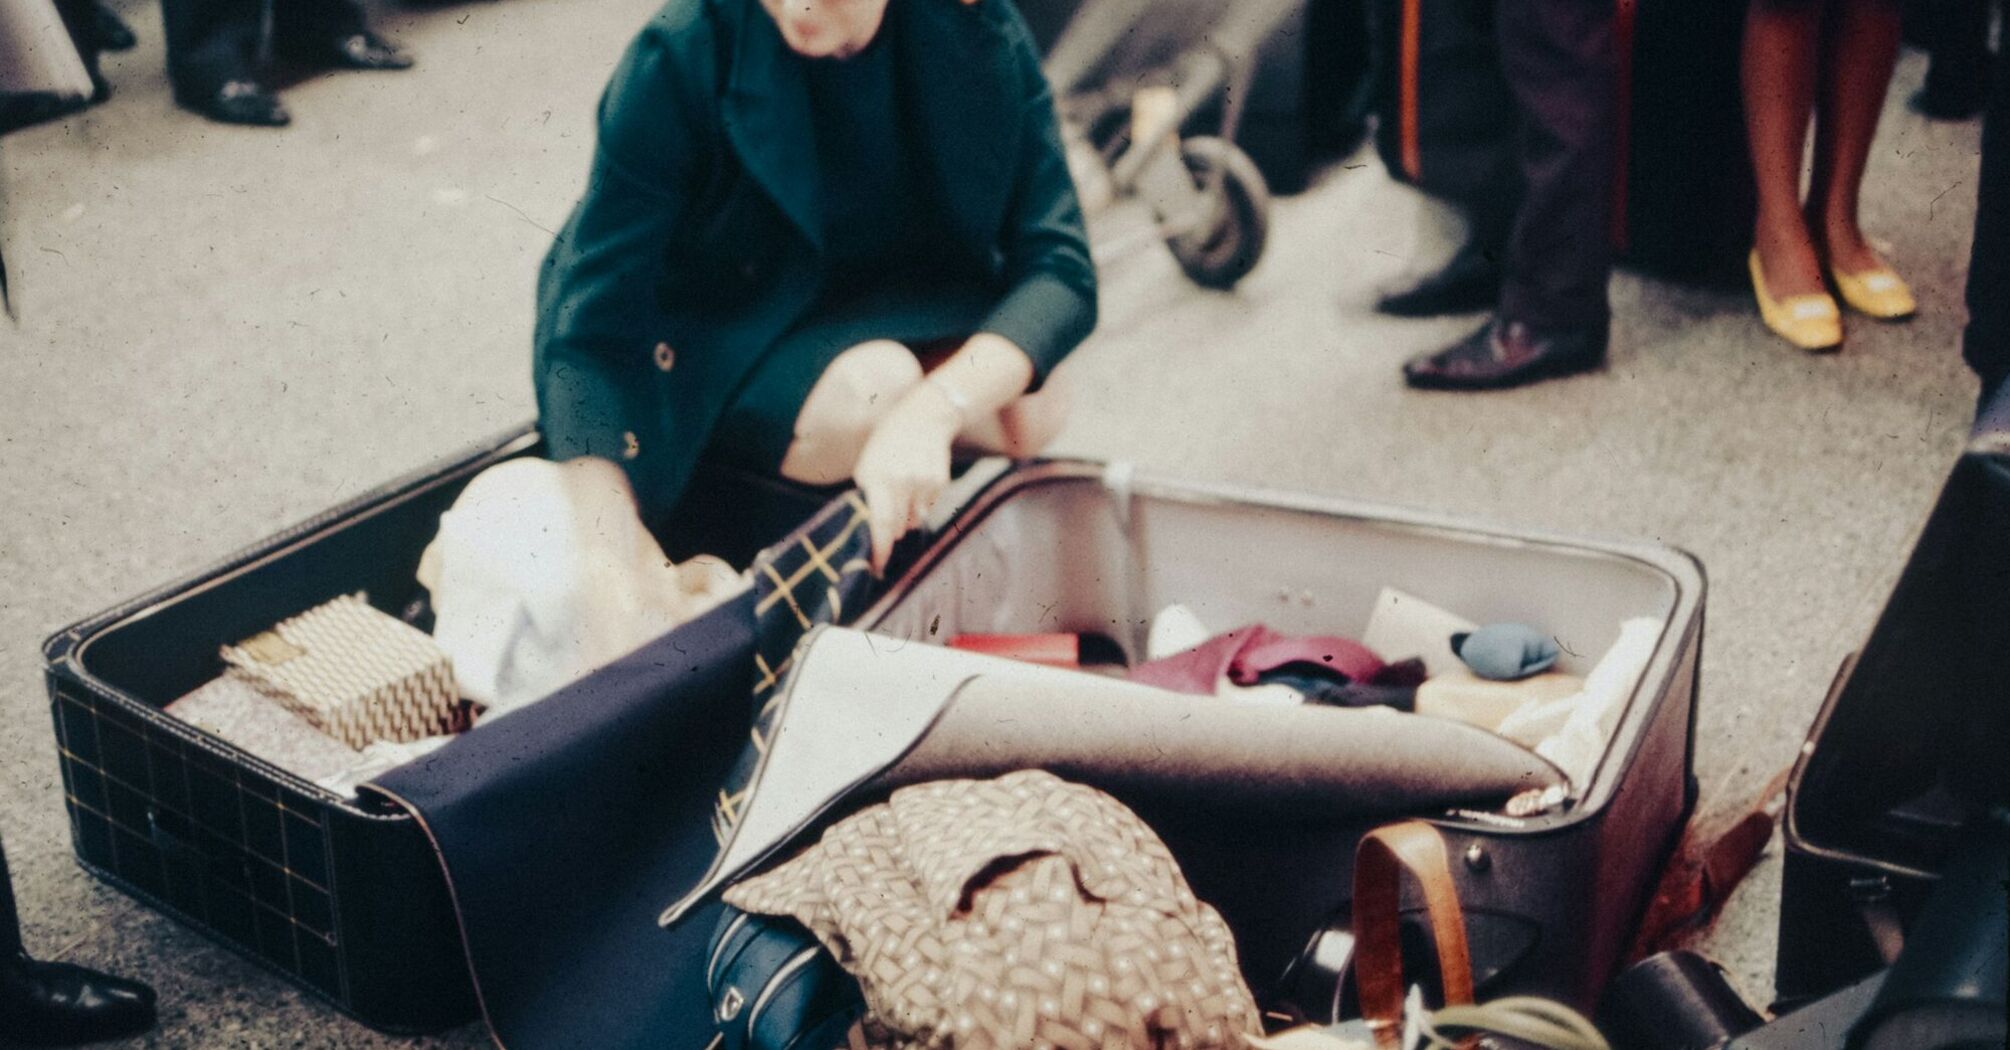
(962, 100)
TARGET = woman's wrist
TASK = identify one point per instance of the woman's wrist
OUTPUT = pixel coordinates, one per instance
(942, 403)
(957, 399)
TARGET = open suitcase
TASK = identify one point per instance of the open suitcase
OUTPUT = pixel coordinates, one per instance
(1907, 751)
(347, 899)
(343, 897)
(1892, 917)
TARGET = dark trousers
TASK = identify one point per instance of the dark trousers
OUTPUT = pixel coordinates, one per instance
(1986, 344)
(1956, 34)
(10, 923)
(1561, 61)
(211, 42)
(80, 20)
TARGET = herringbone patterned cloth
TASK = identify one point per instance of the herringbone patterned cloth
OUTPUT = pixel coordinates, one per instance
(355, 673)
(1011, 914)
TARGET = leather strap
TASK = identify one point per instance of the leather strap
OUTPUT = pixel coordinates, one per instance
(1379, 863)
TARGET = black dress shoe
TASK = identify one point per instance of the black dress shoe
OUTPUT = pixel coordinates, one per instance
(1953, 96)
(110, 31)
(242, 102)
(1505, 354)
(29, 108)
(367, 50)
(56, 1004)
(1470, 282)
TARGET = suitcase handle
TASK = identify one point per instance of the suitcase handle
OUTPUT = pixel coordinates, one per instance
(1379, 863)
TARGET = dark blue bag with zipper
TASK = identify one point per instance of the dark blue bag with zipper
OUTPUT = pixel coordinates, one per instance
(774, 987)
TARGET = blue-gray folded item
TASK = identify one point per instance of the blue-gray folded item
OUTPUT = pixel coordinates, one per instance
(1506, 652)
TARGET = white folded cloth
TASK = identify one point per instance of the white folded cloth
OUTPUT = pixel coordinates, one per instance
(543, 572)
(1573, 732)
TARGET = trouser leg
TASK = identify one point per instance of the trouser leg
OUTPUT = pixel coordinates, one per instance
(1561, 62)
(1986, 343)
(10, 921)
(211, 42)
(1956, 35)
(305, 24)
(1490, 221)
(80, 20)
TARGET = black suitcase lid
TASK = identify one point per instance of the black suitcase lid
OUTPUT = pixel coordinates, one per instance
(1911, 739)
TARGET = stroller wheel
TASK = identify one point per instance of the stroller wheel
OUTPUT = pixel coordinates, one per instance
(1221, 252)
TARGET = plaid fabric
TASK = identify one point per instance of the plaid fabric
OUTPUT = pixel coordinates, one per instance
(820, 575)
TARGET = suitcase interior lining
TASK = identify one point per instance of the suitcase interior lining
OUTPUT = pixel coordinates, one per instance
(1051, 547)
(1056, 549)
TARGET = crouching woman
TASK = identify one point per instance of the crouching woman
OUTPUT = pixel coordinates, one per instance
(828, 239)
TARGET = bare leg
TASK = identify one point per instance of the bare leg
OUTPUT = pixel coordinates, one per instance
(855, 392)
(863, 384)
(1027, 425)
(1781, 56)
(1862, 47)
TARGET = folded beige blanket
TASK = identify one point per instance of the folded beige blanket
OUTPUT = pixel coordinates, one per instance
(863, 713)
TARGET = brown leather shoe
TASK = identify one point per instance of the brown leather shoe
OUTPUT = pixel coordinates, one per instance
(1506, 354)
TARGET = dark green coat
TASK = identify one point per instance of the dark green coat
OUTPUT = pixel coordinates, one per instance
(697, 243)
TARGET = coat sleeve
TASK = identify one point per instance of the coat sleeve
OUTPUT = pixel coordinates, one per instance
(1050, 304)
(597, 305)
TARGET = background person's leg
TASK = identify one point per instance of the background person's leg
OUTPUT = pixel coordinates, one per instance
(295, 20)
(1956, 36)
(1781, 59)
(1986, 342)
(10, 920)
(1471, 279)
(334, 32)
(80, 18)
(1860, 47)
(211, 43)
(1562, 61)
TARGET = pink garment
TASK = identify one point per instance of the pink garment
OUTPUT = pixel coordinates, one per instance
(1246, 653)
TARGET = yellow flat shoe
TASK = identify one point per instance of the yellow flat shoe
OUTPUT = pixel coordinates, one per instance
(1879, 293)
(1811, 322)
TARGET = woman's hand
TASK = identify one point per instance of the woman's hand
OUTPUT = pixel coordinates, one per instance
(904, 465)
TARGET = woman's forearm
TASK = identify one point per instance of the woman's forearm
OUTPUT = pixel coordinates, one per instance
(983, 376)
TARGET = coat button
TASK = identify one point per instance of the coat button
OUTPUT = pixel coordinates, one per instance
(630, 447)
(666, 358)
